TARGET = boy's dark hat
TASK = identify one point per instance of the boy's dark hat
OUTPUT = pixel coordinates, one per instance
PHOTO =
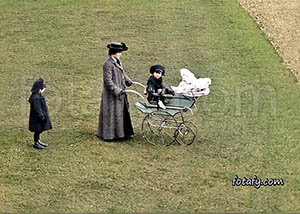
(37, 85)
(119, 46)
(157, 68)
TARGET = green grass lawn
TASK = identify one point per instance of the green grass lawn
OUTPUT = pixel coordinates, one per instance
(248, 124)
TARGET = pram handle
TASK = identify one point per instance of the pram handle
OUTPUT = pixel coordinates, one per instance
(134, 92)
(140, 84)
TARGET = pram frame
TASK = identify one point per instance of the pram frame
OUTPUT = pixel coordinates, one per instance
(167, 126)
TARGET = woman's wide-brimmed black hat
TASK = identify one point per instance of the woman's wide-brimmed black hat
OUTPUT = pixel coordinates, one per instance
(157, 68)
(118, 46)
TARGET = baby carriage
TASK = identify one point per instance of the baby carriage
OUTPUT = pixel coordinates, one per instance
(172, 125)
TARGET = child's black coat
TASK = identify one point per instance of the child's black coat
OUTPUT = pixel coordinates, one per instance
(39, 119)
(153, 85)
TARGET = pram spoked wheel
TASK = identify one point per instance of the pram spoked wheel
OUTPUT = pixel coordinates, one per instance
(185, 133)
(159, 128)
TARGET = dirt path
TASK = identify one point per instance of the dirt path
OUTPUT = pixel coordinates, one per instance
(280, 20)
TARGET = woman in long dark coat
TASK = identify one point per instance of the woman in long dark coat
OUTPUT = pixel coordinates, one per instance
(114, 117)
(39, 119)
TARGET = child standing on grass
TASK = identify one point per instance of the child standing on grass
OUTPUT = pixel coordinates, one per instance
(39, 119)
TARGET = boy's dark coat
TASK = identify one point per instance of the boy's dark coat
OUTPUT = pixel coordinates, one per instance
(153, 85)
(39, 119)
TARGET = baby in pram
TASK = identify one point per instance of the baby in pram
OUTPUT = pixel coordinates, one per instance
(190, 85)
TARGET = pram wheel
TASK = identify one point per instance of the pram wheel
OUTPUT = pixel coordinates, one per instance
(186, 133)
(159, 128)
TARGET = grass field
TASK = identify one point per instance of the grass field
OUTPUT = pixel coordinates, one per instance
(248, 125)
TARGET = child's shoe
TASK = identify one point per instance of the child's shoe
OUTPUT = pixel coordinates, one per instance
(43, 144)
(161, 104)
(38, 146)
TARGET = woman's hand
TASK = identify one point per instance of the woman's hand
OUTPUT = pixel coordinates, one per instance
(159, 91)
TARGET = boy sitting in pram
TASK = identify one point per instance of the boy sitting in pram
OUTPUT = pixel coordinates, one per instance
(155, 89)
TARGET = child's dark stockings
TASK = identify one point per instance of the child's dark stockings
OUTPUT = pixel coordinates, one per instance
(36, 136)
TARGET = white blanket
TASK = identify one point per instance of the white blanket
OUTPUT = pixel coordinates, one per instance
(190, 85)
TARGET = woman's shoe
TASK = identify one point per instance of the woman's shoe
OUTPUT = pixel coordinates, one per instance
(128, 137)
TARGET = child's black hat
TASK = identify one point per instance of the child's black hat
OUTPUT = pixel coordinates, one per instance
(157, 68)
(37, 85)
